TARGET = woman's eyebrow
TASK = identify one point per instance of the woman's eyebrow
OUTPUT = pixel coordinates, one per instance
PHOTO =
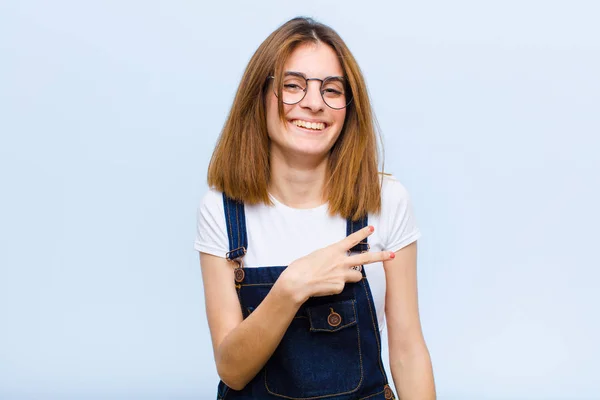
(296, 73)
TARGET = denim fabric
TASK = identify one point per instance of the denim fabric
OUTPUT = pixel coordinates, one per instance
(332, 348)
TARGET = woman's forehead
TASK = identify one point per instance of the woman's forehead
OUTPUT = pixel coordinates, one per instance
(314, 60)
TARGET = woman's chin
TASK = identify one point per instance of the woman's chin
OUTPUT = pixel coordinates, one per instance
(304, 151)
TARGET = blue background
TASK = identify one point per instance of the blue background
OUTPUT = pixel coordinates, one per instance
(109, 112)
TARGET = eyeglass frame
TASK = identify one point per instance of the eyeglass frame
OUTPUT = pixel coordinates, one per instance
(301, 75)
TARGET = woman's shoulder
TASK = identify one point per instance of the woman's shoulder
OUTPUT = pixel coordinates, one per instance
(211, 229)
(211, 200)
(392, 190)
(397, 220)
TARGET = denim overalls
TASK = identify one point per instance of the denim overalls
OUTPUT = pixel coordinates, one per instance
(331, 350)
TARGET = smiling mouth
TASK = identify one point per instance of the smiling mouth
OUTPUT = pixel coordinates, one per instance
(311, 126)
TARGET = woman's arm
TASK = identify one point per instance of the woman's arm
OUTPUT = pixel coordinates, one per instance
(241, 347)
(409, 358)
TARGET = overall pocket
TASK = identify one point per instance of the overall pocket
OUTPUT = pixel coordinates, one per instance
(319, 354)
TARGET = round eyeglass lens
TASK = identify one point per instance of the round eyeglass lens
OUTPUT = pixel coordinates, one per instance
(333, 91)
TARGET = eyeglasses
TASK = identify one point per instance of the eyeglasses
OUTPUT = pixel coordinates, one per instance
(333, 89)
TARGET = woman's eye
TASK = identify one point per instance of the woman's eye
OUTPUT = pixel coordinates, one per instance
(332, 91)
(291, 86)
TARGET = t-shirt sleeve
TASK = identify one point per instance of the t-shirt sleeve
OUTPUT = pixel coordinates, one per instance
(398, 215)
(211, 230)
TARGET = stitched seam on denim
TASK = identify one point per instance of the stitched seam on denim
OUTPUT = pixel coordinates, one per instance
(375, 331)
(257, 284)
(359, 348)
(371, 395)
(243, 232)
(229, 232)
(238, 289)
(352, 230)
(332, 330)
(237, 221)
(349, 231)
(333, 394)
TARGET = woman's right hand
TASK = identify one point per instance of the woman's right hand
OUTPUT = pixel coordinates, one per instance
(327, 270)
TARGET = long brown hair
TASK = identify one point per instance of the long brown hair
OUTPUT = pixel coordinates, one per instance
(239, 166)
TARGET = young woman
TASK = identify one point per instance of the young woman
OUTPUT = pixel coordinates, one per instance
(295, 210)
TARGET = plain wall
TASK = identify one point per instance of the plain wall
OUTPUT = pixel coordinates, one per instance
(109, 111)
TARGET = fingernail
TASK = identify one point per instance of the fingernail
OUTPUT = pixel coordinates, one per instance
(392, 254)
(371, 229)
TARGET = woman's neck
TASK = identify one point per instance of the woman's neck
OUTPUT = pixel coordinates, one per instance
(298, 182)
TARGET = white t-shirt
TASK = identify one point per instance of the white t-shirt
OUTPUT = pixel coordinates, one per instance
(278, 234)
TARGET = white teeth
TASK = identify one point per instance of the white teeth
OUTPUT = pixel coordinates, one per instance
(310, 125)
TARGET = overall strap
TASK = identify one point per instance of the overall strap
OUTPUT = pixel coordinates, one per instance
(353, 226)
(235, 219)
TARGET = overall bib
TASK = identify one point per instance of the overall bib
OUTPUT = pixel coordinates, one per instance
(331, 350)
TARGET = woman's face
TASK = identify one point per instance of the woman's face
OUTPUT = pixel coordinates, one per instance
(293, 137)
